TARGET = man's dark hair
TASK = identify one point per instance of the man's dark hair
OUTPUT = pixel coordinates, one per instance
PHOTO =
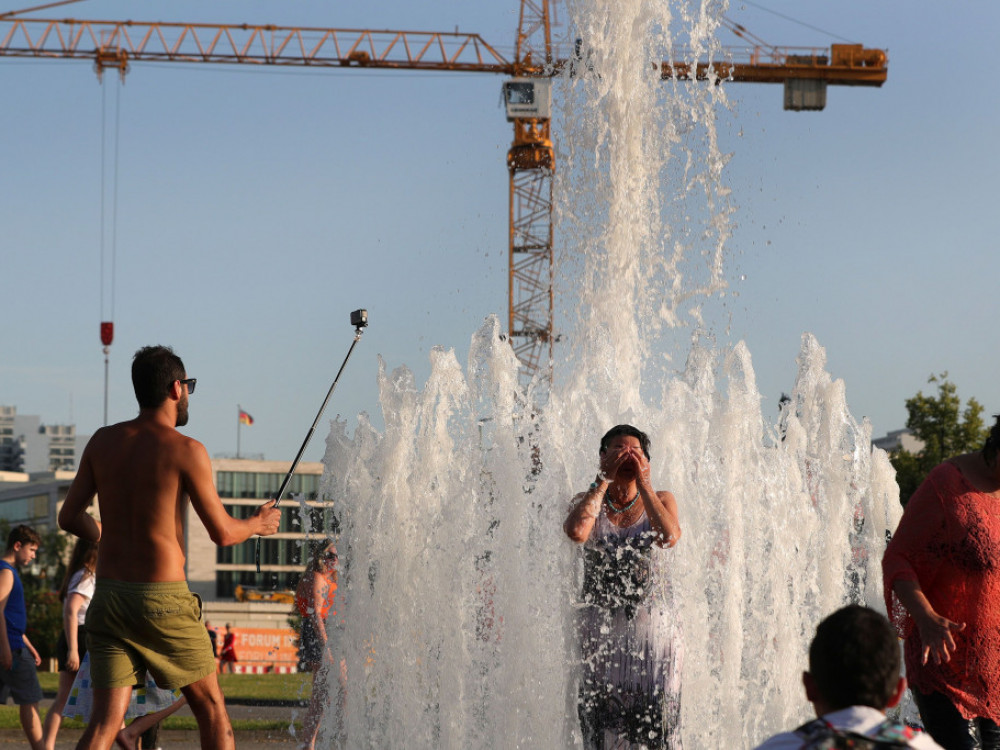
(24, 535)
(854, 659)
(626, 429)
(154, 370)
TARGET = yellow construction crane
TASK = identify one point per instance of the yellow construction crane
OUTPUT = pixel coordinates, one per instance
(805, 73)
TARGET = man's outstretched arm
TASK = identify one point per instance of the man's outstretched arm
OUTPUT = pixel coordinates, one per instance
(223, 529)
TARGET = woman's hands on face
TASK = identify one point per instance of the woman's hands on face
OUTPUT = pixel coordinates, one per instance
(612, 460)
(642, 474)
(629, 458)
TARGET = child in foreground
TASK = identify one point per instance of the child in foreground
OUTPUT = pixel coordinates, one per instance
(853, 677)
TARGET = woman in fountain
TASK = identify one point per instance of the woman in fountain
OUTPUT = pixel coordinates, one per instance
(943, 567)
(630, 686)
(314, 600)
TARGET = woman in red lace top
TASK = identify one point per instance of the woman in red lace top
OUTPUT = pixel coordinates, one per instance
(942, 587)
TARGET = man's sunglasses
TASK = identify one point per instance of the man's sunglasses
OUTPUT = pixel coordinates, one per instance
(190, 383)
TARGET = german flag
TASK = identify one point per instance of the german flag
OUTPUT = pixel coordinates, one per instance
(245, 418)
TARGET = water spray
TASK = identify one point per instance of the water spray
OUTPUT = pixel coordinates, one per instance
(359, 319)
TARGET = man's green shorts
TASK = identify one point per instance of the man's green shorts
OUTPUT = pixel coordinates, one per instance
(135, 627)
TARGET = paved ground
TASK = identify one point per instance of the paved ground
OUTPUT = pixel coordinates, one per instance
(182, 740)
(173, 740)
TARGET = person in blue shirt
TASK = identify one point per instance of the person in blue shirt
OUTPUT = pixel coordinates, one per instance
(18, 658)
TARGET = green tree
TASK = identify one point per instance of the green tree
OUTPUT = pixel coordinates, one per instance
(944, 427)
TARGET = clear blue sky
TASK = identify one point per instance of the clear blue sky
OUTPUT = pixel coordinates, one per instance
(257, 207)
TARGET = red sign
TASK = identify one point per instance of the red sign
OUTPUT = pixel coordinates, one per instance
(266, 645)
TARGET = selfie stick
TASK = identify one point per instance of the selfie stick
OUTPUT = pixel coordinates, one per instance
(359, 319)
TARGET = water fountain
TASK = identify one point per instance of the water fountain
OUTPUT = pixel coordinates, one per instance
(458, 586)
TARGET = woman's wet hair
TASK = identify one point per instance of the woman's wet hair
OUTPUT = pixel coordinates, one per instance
(318, 550)
(992, 444)
(629, 430)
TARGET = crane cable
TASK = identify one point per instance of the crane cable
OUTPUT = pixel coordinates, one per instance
(11, 13)
(796, 21)
(107, 323)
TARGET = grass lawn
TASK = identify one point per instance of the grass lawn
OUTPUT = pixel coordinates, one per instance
(240, 687)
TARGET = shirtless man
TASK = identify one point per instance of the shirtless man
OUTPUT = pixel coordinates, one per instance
(142, 615)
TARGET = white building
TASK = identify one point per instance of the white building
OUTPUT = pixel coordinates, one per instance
(243, 484)
(27, 445)
(33, 499)
(903, 439)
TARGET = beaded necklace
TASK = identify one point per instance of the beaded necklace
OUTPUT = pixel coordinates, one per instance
(624, 508)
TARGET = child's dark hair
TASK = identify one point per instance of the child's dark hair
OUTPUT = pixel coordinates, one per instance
(854, 659)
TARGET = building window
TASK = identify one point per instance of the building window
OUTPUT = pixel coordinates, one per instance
(245, 484)
(272, 552)
(226, 581)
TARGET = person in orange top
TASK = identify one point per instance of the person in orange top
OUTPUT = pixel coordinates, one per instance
(941, 575)
(314, 600)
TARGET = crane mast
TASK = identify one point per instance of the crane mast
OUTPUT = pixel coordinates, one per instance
(805, 73)
(531, 164)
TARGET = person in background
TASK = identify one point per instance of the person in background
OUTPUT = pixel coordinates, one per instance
(75, 594)
(129, 737)
(314, 599)
(227, 657)
(214, 638)
(629, 693)
(148, 705)
(853, 678)
(941, 573)
(19, 660)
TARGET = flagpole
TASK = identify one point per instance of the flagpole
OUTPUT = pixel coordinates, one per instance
(239, 424)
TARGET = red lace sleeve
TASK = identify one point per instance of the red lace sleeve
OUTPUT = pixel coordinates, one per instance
(913, 553)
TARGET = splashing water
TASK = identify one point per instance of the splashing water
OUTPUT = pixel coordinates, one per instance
(458, 585)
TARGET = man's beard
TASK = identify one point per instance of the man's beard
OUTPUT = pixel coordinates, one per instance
(182, 412)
